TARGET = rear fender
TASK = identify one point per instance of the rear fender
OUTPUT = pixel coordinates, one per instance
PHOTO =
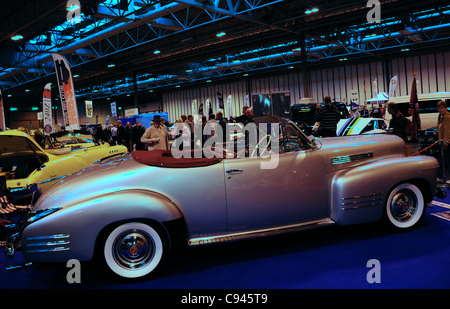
(84, 222)
(358, 195)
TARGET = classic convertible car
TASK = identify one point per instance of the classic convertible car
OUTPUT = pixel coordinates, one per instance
(132, 210)
(25, 163)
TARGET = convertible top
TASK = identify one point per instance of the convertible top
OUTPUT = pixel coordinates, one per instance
(164, 158)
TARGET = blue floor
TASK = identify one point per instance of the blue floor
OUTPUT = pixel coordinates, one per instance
(334, 257)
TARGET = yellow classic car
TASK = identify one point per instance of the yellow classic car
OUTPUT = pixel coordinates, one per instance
(24, 162)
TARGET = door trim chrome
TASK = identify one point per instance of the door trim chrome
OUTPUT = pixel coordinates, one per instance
(260, 233)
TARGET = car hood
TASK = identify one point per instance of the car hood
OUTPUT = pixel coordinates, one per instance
(344, 152)
(68, 189)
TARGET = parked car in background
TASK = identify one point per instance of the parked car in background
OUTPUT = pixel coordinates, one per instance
(133, 210)
(25, 163)
(427, 138)
(357, 126)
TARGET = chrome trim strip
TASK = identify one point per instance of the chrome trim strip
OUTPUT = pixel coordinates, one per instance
(259, 233)
(360, 196)
(50, 243)
(52, 179)
(361, 206)
(351, 158)
(58, 236)
(363, 201)
(49, 250)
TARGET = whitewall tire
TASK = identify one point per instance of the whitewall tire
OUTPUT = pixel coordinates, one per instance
(405, 206)
(133, 250)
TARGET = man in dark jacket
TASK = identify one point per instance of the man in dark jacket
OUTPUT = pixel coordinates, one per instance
(136, 133)
(398, 121)
(121, 133)
(328, 116)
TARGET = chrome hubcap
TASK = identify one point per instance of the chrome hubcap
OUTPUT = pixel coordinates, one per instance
(403, 206)
(133, 249)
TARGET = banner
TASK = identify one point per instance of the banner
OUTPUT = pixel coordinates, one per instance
(107, 120)
(208, 104)
(229, 106)
(219, 101)
(113, 109)
(354, 97)
(2, 114)
(392, 86)
(66, 92)
(47, 109)
(194, 107)
(88, 108)
(246, 100)
(375, 90)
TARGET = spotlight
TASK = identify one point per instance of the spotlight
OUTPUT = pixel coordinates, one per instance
(16, 37)
(312, 9)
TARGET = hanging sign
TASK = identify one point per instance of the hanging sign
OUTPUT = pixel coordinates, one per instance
(66, 92)
(47, 109)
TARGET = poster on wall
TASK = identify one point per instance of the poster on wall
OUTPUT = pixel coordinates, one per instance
(2, 114)
(66, 93)
(47, 109)
(354, 97)
(88, 108)
(246, 100)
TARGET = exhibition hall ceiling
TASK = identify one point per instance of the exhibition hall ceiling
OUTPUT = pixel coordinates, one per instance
(117, 47)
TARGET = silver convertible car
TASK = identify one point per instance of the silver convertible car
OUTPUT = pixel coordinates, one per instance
(133, 210)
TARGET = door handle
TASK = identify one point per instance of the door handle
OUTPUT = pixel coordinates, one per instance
(235, 171)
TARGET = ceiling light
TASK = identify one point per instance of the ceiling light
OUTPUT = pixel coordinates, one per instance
(405, 49)
(221, 33)
(13, 109)
(76, 75)
(26, 90)
(312, 9)
(188, 70)
(16, 37)
(343, 59)
(72, 8)
(157, 51)
(35, 108)
(9, 95)
(111, 65)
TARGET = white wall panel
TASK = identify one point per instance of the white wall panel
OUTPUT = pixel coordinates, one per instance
(433, 73)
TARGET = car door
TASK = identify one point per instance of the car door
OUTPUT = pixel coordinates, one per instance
(292, 192)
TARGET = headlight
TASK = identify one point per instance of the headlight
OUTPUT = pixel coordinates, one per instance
(421, 139)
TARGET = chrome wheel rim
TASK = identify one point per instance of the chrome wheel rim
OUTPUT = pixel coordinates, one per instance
(404, 205)
(133, 249)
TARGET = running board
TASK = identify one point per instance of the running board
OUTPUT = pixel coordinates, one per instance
(260, 233)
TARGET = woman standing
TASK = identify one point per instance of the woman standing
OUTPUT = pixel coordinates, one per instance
(444, 138)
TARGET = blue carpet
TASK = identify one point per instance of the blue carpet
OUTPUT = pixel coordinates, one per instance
(334, 257)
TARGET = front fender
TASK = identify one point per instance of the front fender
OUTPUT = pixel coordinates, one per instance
(81, 224)
(358, 195)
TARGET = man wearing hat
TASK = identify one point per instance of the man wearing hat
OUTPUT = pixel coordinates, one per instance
(155, 137)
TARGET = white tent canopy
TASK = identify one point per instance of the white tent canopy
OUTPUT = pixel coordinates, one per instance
(381, 98)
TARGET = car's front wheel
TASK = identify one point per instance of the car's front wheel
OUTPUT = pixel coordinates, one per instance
(405, 206)
(133, 249)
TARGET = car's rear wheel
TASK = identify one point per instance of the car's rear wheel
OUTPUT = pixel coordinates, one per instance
(133, 249)
(405, 206)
